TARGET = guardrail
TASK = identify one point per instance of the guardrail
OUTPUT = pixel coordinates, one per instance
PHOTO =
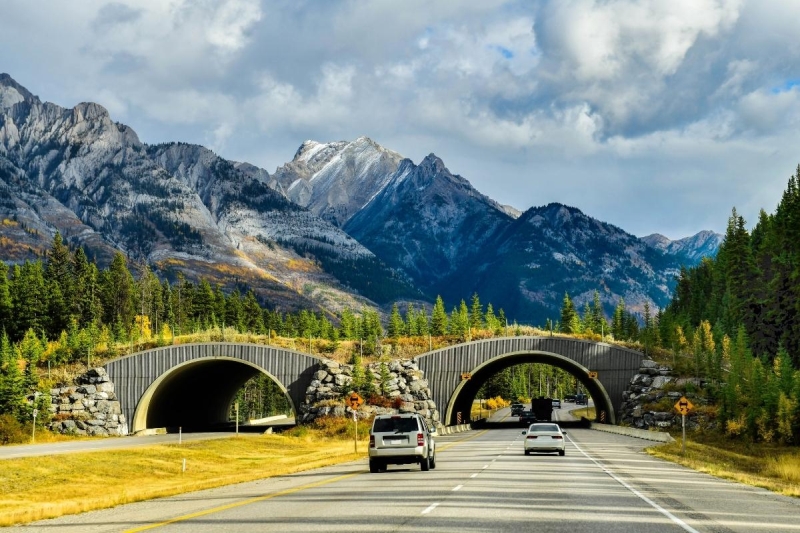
(449, 430)
(658, 436)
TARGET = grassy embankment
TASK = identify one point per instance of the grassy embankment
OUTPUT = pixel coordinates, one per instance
(773, 467)
(46, 487)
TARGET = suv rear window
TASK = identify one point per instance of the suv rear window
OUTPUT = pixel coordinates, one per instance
(396, 425)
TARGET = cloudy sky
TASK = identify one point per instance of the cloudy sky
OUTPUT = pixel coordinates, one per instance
(654, 115)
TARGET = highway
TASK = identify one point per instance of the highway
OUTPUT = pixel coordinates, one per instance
(483, 482)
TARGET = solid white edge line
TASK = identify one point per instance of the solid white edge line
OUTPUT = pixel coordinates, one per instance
(485, 466)
(457, 488)
(474, 475)
(430, 508)
(622, 482)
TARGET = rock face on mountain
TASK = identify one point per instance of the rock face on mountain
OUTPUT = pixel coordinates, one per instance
(175, 206)
(427, 221)
(691, 249)
(342, 224)
(556, 249)
(336, 180)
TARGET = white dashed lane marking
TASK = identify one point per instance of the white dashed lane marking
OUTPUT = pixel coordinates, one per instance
(430, 508)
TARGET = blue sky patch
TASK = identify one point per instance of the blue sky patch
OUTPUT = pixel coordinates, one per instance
(787, 86)
(505, 52)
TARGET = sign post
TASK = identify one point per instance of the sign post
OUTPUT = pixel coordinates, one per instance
(355, 401)
(33, 431)
(237, 417)
(683, 407)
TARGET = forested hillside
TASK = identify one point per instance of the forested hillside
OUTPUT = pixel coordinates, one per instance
(738, 316)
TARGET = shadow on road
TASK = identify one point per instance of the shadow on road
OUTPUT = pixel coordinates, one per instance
(515, 424)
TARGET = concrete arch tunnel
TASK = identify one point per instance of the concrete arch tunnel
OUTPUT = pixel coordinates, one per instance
(447, 368)
(467, 390)
(193, 385)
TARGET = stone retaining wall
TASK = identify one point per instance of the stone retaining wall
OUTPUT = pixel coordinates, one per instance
(88, 408)
(647, 388)
(406, 389)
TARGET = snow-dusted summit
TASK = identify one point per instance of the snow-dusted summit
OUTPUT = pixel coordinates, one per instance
(335, 180)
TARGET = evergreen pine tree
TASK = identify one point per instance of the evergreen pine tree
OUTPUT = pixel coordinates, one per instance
(11, 380)
(618, 321)
(439, 318)
(117, 289)
(385, 378)
(569, 317)
(476, 313)
(411, 324)
(6, 305)
(492, 324)
(395, 327)
(29, 299)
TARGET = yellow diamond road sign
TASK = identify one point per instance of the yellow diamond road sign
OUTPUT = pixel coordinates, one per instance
(354, 401)
(684, 406)
(592, 375)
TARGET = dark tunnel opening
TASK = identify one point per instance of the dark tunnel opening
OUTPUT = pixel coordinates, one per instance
(197, 396)
(467, 392)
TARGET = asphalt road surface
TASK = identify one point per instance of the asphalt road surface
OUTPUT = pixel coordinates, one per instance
(482, 482)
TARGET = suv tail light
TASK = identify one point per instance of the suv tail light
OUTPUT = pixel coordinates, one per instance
(557, 436)
(372, 441)
(420, 439)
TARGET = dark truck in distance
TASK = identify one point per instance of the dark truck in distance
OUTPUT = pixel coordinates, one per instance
(581, 399)
(526, 418)
(542, 409)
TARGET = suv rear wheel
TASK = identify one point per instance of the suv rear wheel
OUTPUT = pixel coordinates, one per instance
(433, 461)
(374, 467)
(425, 464)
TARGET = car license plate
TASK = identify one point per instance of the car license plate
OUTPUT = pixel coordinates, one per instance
(394, 441)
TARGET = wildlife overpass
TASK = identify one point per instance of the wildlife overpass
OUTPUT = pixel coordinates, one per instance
(193, 385)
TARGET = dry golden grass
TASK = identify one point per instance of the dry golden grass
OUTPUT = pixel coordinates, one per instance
(761, 465)
(36, 488)
(585, 412)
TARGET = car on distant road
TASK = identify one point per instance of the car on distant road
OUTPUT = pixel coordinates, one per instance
(517, 408)
(556, 403)
(401, 439)
(527, 417)
(569, 398)
(581, 399)
(545, 437)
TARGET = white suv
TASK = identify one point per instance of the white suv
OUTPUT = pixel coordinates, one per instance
(401, 439)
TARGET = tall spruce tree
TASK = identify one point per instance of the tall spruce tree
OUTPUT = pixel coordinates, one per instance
(439, 318)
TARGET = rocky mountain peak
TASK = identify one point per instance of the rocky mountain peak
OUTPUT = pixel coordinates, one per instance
(432, 164)
(89, 111)
(691, 249)
(12, 92)
(334, 180)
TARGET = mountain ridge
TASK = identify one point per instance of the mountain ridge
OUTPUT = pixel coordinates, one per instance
(343, 224)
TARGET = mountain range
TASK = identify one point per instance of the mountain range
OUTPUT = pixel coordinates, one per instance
(343, 224)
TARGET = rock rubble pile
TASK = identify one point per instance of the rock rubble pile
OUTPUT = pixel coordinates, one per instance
(403, 388)
(652, 393)
(88, 408)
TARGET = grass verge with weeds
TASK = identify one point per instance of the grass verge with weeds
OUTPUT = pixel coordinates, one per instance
(36, 488)
(763, 465)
